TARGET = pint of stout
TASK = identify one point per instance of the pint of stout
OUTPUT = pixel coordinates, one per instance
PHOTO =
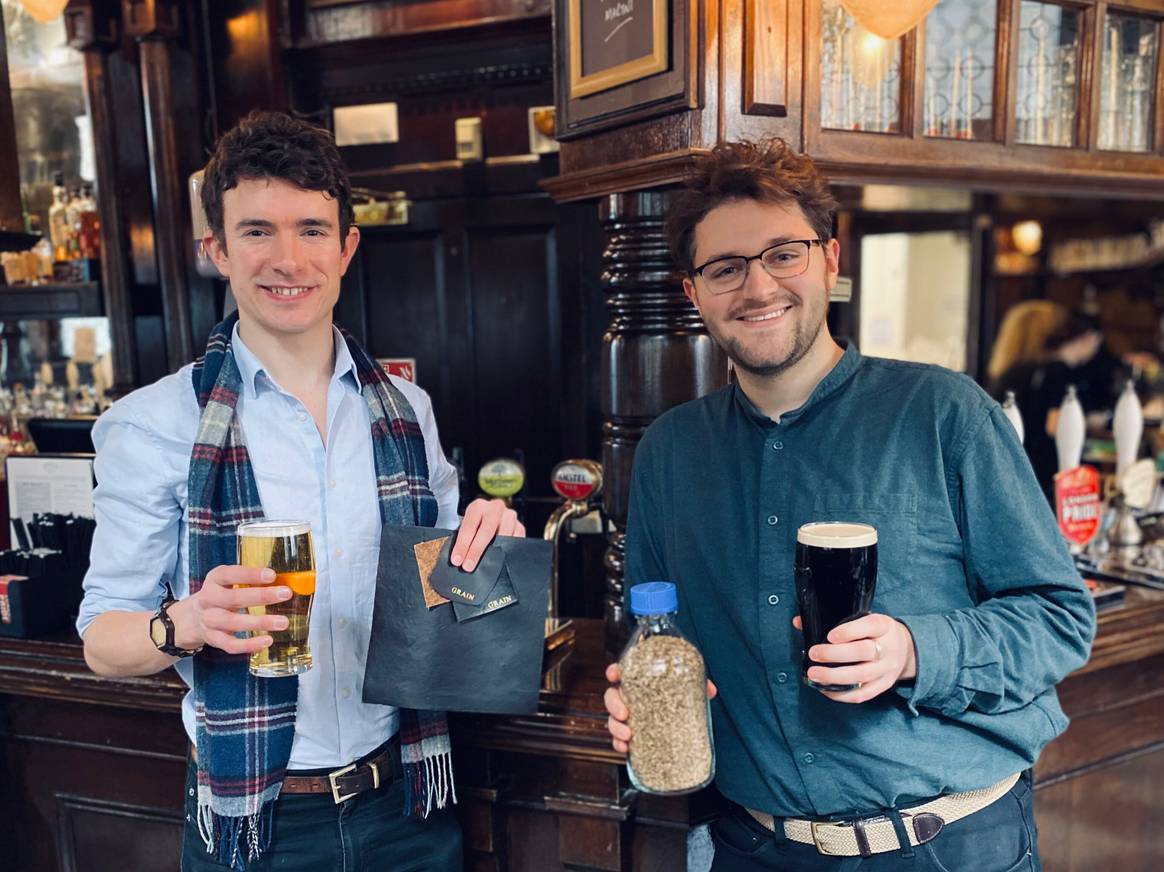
(284, 546)
(836, 572)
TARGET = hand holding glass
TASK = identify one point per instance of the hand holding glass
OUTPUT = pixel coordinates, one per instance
(836, 574)
(285, 547)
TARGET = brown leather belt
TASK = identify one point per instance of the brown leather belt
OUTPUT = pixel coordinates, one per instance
(380, 767)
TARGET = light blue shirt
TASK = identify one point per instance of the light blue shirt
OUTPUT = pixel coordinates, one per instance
(143, 457)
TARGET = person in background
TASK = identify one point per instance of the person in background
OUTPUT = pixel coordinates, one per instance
(1042, 347)
(285, 416)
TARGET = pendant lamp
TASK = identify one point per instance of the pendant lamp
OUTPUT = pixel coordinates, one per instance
(44, 10)
(889, 19)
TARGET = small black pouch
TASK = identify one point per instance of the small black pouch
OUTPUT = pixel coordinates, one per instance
(503, 594)
(470, 588)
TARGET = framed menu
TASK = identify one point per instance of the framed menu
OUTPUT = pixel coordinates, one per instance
(623, 61)
(613, 42)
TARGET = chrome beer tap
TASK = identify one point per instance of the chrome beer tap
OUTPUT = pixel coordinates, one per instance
(579, 483)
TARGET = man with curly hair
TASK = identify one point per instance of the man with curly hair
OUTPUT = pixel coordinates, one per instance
(285, 416)
(923, 764)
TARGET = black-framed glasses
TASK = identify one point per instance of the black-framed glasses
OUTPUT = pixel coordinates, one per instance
(784, 260)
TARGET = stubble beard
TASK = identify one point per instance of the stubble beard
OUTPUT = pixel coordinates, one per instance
(803, 337)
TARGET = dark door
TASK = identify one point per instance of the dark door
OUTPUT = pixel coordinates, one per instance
(471, 289)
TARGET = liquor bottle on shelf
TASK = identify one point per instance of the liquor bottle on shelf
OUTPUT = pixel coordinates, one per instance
(90, 240)
(73, 218)
(58, 220)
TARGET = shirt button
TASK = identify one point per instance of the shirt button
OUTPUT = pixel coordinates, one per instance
(339, 552)
(777, 445)
(808, 758)
(772, 519)
(774, 600)
(302, 416)
(342, 622)
(345, 693)
(331, 483)
(781, 677)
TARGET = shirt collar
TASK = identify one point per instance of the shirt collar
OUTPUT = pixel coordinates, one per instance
(833, 380)
(254, 374)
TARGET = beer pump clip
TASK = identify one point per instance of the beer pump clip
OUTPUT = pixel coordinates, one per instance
(579, 483)
(501, 478)
(1076, 486)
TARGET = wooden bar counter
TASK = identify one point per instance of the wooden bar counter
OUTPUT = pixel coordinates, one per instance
(91, 769)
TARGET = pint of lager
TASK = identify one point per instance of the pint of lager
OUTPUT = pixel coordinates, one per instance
(836, 572)
(284, 546)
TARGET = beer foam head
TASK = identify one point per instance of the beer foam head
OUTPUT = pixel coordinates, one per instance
(837, 534)
(273, 529)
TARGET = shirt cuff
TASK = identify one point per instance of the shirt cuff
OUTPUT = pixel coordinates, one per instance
(936, 650)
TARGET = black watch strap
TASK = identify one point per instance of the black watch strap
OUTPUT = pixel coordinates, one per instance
(162, 618)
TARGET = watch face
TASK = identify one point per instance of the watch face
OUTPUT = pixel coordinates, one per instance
(158, 632)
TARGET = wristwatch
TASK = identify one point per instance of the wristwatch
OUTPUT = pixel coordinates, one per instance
(162, 631)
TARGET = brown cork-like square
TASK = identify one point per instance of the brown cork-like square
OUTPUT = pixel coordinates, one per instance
(427, 554)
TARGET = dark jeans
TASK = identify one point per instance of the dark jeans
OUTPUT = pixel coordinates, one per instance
(313, 834)
(999, 838)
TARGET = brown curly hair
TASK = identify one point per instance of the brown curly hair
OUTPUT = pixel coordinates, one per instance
(273, 145)
(767, 171)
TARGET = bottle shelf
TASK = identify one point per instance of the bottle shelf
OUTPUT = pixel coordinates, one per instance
(60, 300)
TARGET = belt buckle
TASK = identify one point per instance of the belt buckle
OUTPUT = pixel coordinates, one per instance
(812, 825)
(333, 776)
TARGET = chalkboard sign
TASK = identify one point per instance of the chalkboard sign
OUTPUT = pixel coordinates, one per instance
(613, 42)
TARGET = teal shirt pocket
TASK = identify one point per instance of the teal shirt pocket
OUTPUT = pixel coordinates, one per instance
(894, 515)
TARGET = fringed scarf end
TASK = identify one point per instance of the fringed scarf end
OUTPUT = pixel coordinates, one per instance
(225, 837)
(428, 782)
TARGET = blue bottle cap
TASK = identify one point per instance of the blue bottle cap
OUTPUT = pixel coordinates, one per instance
(653, 598)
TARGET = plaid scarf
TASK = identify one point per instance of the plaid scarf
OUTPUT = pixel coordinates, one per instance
(245, 724)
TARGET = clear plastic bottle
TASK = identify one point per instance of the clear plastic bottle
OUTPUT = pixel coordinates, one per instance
(664, 683)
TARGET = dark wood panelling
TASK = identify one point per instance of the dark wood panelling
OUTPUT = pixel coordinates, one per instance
(1126, 837)
(101, 836)
(245, 58)
(326, 21)
(471, 289)
(768, 82)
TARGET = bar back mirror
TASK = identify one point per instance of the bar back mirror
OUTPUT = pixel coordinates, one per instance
(907, 313)
(54, 340)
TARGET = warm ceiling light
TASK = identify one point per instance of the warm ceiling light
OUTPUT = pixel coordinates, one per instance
(44, 10)
(889, 19)
(1027, 237)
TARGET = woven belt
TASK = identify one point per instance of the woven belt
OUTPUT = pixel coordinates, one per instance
(865, 837)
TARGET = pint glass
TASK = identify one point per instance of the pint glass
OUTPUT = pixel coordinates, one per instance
(284, 546)
(836, 572)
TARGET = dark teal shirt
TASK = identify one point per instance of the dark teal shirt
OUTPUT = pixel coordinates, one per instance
(969, 558)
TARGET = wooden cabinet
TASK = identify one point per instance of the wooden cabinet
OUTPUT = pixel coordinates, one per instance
(991, 93)
(1047, 95)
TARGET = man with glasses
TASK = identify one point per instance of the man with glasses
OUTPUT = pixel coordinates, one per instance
(979, 611)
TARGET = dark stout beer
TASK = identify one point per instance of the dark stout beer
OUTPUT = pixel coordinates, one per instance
(836, 572)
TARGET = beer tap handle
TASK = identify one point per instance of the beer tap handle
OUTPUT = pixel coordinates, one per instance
(577, 482)
(1070, 431)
